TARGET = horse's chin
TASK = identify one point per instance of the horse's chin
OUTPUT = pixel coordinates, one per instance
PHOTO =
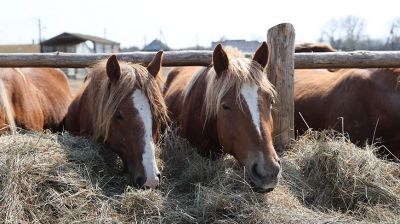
(265, 188)
(262, 190)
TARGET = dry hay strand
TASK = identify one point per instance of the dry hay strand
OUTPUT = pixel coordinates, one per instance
(207, 191)
(330, 173)
(49, 178)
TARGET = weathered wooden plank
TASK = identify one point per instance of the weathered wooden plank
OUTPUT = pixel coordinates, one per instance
(355, 59)
(71, 60)
(280, 72)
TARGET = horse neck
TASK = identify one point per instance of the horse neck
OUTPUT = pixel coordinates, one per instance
(203, 132)
(78, 118)
(160, 82)
(386, 97)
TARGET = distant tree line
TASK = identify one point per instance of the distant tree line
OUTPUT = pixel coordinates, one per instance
(348, 34)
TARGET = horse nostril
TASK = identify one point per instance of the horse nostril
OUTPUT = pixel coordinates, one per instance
(279, 162)
(159, 176)
(255, 172)
(140, 181)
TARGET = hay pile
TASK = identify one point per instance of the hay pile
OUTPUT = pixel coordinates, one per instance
(50, 178)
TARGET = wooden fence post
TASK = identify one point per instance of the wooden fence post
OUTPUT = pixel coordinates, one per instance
(280, 72)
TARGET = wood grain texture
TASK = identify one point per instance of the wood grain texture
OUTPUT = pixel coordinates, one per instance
(280, 72)
(72, 60)
(356, 59)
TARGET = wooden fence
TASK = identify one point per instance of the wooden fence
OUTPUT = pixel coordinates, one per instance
(280, 69)
(356, 59)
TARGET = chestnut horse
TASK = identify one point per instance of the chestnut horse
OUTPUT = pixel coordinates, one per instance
(120, 104)
(226, 108)
(33, 98)
(364, 103)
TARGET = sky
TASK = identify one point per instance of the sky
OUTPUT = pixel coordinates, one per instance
(184, 23)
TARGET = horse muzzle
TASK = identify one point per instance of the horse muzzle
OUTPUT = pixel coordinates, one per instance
(264, 178)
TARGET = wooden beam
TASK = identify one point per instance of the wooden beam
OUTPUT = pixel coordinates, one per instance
(72, 60)
(280, 72)
(355, 59)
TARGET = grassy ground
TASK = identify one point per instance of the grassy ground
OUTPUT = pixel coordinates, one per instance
(49, 178)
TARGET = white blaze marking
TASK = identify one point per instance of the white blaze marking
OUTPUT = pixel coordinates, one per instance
(141, 103)
(250, 95)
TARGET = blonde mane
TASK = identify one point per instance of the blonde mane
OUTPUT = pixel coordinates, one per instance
(240, 71)
(105, 97)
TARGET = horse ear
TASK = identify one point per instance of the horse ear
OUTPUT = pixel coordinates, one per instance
(155, 64)
(262, 54)
(220, 59)
(112, 68)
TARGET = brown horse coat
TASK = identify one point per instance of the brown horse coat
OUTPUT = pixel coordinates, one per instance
(365, 103)
(120, 105)
(38, 97)
(226, 108)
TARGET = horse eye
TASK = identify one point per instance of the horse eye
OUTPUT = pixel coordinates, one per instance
(226, 107)
(118, 115)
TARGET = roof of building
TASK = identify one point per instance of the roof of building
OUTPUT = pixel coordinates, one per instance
(242, 45)
(20, 48)
(75, 38)
(156, 45)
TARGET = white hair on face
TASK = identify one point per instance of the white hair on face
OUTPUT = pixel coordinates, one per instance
(240, 71)
(250, 94)
(141, 104)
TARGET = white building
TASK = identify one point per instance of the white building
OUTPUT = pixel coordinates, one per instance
(78, 43)
(243, 45)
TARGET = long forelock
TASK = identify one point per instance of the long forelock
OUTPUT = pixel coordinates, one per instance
(240, 71)
(105, 97)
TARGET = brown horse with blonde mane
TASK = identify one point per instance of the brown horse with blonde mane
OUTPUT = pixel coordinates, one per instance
(33, 98)
(120, 104)
(365, 103)
(226, 108)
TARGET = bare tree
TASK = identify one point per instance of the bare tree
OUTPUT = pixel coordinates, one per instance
(354, 32)
(329, 32)
(393, 39)
(346, 33)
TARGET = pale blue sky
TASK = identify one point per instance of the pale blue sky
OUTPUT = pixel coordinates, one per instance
(130, 22)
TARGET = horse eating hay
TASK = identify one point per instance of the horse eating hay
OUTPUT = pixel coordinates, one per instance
(120, 104)
(226, 108)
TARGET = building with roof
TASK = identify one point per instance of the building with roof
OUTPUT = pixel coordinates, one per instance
(78, 43)
(156, 45)
(242, 45)
(20, 48)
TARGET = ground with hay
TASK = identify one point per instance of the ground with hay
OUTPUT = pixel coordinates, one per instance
(49, 178)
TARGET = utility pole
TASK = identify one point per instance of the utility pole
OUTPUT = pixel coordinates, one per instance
(105, 33)
(40, 31)
(197, 41)
(162, 37)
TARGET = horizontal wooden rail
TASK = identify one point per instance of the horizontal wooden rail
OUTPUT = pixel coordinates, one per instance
(356, 59)
(74, 60)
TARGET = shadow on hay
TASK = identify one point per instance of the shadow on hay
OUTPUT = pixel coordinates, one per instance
(102, 166)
